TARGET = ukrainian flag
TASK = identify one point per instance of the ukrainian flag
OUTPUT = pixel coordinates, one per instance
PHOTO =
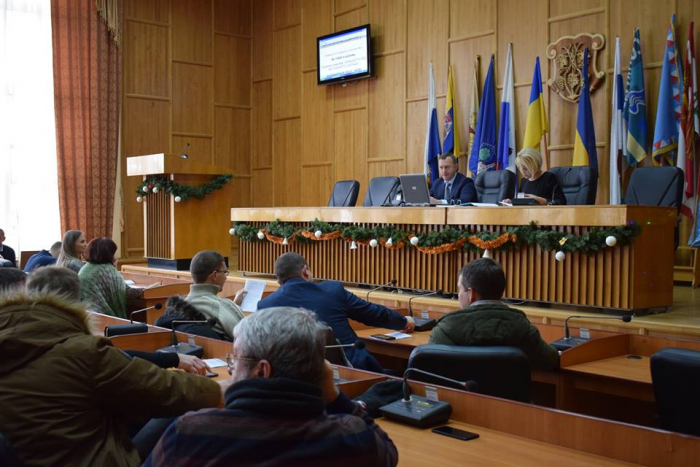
(584, 146)
(536, 124)
(451, 143)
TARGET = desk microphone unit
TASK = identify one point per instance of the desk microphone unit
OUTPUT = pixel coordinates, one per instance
(185, 347)
(568, 342)
(423, 324)
(390, 283)
(420, 411)
(131, 328)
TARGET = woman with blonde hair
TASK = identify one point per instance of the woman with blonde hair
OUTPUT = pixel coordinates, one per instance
(543, 187)
(72, 249)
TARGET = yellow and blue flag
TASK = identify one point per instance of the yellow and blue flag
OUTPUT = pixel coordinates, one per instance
(451, 141)
(483, 152)
(536, 124)
(584, 146)
(635, 112)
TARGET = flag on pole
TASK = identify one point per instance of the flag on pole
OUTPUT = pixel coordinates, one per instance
(506, 132)
(635, 112)
(585, 152)
(451, 141)
(473, 110)
(688, 127)
(483, 152)
(668, 139)
(617, 131)
(432, 136)
(692, 84)
(536, 123)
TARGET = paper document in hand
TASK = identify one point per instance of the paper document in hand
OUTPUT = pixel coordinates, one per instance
(214, 362)
(255, 289)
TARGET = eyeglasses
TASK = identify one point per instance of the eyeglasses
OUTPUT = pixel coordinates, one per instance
(223, 271)
(231, 359)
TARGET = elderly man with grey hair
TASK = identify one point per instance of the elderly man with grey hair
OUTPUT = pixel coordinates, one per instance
(282, 407)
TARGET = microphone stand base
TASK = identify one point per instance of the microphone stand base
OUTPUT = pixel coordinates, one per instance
(419, 412)
(566, 344)
(184, 348)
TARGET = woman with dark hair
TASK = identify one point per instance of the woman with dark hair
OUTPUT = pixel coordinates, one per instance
(72, 248)
(101, 285)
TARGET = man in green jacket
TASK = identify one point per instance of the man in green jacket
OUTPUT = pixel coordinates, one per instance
(486, 320)
(66, 395)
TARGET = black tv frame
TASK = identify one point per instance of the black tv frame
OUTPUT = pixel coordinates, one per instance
(345, 79)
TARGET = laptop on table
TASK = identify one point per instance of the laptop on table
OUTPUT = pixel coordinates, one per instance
(415, 190)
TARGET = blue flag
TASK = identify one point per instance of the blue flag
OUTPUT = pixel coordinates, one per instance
(432, 136)
(585, 152)
(483, 154)
(635, 112)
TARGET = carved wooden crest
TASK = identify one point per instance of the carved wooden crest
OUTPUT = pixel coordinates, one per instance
(567, 55)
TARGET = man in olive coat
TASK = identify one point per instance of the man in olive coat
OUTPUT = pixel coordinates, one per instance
(486, 320)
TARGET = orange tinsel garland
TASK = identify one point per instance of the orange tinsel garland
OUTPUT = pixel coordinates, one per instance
(323, 237)
(436, 250)
(492, 244)
(279, 240)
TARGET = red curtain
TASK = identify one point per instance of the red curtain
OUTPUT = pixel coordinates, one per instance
(87, 75)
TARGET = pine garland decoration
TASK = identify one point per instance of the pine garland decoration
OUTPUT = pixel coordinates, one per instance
(184, 192)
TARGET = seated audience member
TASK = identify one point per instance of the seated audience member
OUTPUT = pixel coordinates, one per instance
(12, 280)
(179, 309)
(67, 395)
(7, 254)
(452, 187)
(333, 305)
(543, 187)
(72, 249)
(486, 320)
(101, 285)
(209, 274)
(282, 407)
(43, 258)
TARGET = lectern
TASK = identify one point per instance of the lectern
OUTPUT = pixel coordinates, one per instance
(175, 231)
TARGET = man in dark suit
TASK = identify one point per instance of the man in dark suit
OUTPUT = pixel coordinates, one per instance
(7, 254)
(452, 187)
(333, 305)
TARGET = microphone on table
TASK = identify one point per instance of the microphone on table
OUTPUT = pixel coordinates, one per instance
(131, 328)
(419, 411)
(568, 342)
(358, 344)
(185, 347)
(391, 282)
(423, 324)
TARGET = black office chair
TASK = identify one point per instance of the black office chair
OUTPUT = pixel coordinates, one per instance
(656, 186)
(499, 371)
(344, 193)
(493, 186)
(177, 309)
(381, 191)
(8, 456)
(676, 377)
(337, 355)
(580, 184)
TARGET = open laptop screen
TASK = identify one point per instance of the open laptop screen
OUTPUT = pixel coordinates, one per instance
(415, 189)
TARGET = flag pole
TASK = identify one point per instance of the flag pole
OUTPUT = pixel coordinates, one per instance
(546, 151)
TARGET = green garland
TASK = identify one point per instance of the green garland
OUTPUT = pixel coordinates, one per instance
(592, 241)
(184, 192)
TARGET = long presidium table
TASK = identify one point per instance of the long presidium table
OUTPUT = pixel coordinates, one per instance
(511, 433)
(626, 277)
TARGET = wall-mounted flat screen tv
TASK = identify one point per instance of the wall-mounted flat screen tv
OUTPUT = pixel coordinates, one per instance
(344, 56)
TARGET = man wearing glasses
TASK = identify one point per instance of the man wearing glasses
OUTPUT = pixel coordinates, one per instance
(282, 407)
(209, 274)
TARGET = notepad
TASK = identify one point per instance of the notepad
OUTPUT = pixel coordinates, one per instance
(399, 335)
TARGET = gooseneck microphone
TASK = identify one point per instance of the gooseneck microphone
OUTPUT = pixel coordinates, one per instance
(183, 154)
(438, 292)
(423, 324)
(471, 386)
(157, 306)
(131, 328)
(358, 344)
(391, 282)
(185, 347)
(568, 342)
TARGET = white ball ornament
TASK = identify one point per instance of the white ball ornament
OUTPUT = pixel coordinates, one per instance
(261, 235)
(318, 234)
(560, 256)
(178, 199)
(373, 243)
(414, 241)
(139, 199)
(231, 231)
(155, 189)
(145, 189)
(611, 240)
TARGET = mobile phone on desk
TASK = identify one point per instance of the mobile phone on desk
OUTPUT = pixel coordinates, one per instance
(211, 374)
(383, 337)
(455, 433)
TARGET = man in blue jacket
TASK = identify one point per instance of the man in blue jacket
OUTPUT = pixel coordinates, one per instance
(452, 187)
(333, 305)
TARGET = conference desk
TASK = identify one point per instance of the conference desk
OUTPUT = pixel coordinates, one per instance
(511, 433)
(626, 277)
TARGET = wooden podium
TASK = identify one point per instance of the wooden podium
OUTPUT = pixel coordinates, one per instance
(175, 232)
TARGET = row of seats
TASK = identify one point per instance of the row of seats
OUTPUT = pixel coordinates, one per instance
(650, 186)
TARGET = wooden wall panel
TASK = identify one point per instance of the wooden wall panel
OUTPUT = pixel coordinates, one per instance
(233, 17)
(146, 139)
(386, 109)
(286, 146)
(316, 113)
(388, 20)
(351, 146)
(564, 7)
(351, 19)
(262, 39)
(148, 10)
(468, 17)
(193, 98)
(192, 30)
(286, 75)
(262, 124)
(262, 195)
(200, 149)
(286, 13)
(241, 196)
(232, 140)
(351, 95)
(145, 64)
(318, 21)
(231, 70)
(427, 40)
(342, 6)
(416, 127)
(316, 184)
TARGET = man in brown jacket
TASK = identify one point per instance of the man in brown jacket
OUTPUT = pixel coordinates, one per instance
(67, 395)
